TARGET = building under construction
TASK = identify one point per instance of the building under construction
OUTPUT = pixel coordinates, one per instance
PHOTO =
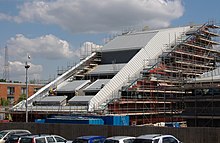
(164, 75)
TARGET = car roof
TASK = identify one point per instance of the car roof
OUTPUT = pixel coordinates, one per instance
(148, 136)
(36, 135)
(90, 137)
(119, 137)
(14, 130)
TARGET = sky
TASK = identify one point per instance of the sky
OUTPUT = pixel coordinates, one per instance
(54, 33)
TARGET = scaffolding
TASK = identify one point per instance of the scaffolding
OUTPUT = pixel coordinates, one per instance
(160, 94)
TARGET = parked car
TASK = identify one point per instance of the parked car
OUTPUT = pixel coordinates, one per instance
(89, 139)
(43, 138)
(120, 139)
(15, 137)
(156, 138)
(5, 134)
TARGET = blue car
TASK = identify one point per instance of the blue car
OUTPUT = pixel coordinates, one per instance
(89, 139)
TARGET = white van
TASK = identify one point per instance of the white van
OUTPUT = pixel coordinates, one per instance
(4, 134)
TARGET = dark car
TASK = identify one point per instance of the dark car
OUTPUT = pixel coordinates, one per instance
(89, 139)
(15, 137)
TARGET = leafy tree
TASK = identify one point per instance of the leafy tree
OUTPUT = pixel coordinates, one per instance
(4, 102)
(2, 80)
(21, 97)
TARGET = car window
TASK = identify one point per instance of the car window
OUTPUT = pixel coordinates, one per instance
(40, 140)
(169, 140)
(50, 139)
(8, 135)
(19, 132)
(80, 141)
(25, 140)
(156, 141)
(59, 139)
(111, 141)
(143, 141)
(128, 140)
(2, 134)
(101, 140)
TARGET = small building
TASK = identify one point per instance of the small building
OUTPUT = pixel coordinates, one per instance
(12, 91)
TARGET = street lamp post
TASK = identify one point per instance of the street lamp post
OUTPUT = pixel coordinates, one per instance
(26, 104)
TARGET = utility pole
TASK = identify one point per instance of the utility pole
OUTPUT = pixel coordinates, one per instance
(26, 105)
(6, 66)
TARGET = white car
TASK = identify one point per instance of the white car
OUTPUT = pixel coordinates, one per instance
(119, 139)
(5, 134)
(43, 139)
(156, 138)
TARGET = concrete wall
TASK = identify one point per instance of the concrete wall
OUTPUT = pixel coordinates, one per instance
(70, 131)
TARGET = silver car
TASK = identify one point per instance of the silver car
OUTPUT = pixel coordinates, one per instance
(5, 134)
(156, 138)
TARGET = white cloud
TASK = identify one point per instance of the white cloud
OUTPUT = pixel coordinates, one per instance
(99, 15)
(43, 50)
(18, 72)
(47, 47)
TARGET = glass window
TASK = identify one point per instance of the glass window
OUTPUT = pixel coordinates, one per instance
(26, 140)
(128, 141)
(111, 141)
(23, 90)
(156, 141)
(2, 134)
(50, 139)
(142, 141)
(11, 90)
(100, 140)
(169, 140)
(59, 139)
(80, 141)
(40, 140)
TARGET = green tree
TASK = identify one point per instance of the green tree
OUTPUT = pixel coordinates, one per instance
(21, 97)
(4, 102)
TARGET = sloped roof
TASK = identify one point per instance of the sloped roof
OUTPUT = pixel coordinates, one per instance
(73, 85)
(97, 85)
(107, 69)
(80, 100)
(129, 41)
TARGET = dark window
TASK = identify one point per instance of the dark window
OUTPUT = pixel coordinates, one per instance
(156, 141)
(11, 90)
(26, 140)
(40, 140)
(101, 140)
(23, 90)
(142, 141)
(59, 139)
(169, 140)
(128, 140)
(80, 141)
(50, 139)
(111, 141)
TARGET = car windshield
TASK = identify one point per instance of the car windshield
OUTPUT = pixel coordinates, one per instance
(2, 134)
(26, 140)
(111, 141)
(143, 141)
(80, 141)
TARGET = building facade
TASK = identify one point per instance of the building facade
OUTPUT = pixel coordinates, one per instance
(12, 91)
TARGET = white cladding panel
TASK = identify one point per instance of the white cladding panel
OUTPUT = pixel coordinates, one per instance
(152, 50)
